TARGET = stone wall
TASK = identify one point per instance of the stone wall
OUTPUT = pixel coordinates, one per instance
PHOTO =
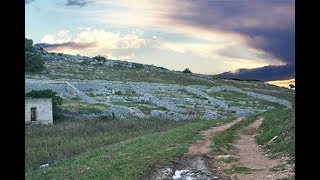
(43, 110)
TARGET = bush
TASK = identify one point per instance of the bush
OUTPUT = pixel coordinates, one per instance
(56, 100)
(138, 65)
(100, 58)
(187, 71)
(33, 63)
(291, 86)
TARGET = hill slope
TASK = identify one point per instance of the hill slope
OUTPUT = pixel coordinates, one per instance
(116, 119)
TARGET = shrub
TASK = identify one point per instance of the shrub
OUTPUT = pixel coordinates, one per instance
(291, 86)
(187, 71)
(138, 65)
(56, 100)
(100, 58)
(33, 63)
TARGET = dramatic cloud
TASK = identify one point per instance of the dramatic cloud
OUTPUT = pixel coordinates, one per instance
(234, 55)
(267, 73)
(261, 26)
(28, 1)
(79, 3)
(210, 36)
(92, 42)
(66, 45)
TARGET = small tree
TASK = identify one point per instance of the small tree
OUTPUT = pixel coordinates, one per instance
(187, 70)
(291, 86)
(56, 100)
(100, 58)
(33, 63)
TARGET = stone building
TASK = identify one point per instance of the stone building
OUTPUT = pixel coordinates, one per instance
(38, 110)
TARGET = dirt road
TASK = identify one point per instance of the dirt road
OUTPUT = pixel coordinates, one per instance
(196, 163)
(252, 156)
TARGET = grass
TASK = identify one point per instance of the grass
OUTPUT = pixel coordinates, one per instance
(276, 122)
(288, 178)
(73, 136)
(72, 70)
(222, 142)
(281, 123)
(236, 97)
(279, 167)
(129, 103)
(175, 94)
(147, 109)
(239, 170)
(77, 106)
(108, 149)
(230, 159)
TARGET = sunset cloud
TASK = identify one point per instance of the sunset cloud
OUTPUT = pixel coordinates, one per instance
(209, 36)
(93, 41)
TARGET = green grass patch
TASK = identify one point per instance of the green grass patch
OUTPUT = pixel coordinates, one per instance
(129, 103)
(239, 170)
(72, 70)
(174, 94)
(77, 106)
(236, 97)
(147, 109)
(281, 123)
(287, 178)
(222, 142)
(230, 159)
(46, 144)
(146, 146)
(279, 167)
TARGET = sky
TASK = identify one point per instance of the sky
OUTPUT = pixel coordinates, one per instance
(241, 38)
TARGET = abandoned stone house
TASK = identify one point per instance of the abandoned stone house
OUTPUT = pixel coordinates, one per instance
(38, 110)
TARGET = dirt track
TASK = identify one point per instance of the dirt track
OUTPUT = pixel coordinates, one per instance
(252, 156)
(196, 163)
(199, 164)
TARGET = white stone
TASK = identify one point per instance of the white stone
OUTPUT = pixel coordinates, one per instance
(44, 165)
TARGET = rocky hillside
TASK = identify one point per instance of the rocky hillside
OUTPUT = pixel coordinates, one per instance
(121, 89)
(124, 120)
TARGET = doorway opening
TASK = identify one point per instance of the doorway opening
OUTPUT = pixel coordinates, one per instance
(33, 114)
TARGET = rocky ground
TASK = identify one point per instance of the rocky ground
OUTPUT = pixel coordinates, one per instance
(158, 100)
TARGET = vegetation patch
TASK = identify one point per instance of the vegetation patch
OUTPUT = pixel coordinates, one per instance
(280, 123)
(128, 103)
(222, 142)
(77, 106)
(230, 159)
(239, 170)
(279, 167)
(84, 71)
(147, 109)
(92, 153)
